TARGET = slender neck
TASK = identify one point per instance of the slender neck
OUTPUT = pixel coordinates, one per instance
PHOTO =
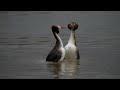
(72, 39)
(59, 42)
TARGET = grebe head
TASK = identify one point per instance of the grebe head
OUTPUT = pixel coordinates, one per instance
(56, 28)
(73, 26)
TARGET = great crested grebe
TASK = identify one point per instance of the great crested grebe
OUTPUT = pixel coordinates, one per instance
(71, 50)
(58, 52)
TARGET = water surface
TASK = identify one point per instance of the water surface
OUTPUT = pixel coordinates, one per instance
(26, 39)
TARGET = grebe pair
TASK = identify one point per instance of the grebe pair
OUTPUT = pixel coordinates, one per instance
(59, 52)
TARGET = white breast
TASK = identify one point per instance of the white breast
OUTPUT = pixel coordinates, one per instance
(70, 51)
(63, 54)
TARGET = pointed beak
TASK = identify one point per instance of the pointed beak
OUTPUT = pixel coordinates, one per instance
(63, 27)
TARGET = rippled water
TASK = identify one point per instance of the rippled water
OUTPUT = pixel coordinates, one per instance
(26, 39)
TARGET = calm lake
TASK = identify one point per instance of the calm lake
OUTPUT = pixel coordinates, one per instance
(26, 39)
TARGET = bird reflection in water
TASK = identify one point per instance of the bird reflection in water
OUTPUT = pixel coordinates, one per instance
(64, 69)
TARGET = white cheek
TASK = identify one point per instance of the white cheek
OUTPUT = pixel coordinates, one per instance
(59, 27)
